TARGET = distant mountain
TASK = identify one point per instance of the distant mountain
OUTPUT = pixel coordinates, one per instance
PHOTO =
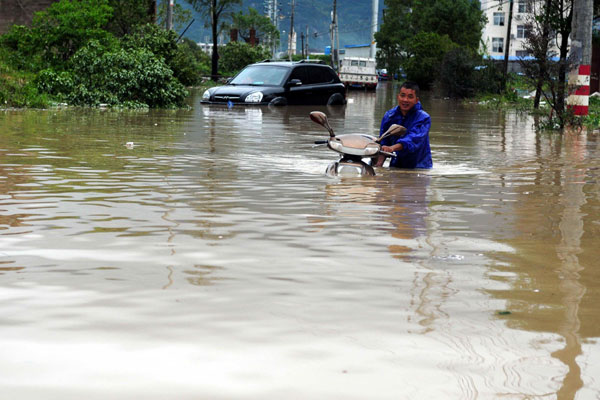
(314, 16)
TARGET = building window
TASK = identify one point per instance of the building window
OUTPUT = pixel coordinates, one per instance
(524, 6)
(522, 32)
(498, 45)
(522, 53)
(499, 18)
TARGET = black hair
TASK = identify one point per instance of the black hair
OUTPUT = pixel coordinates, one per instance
(412, 86)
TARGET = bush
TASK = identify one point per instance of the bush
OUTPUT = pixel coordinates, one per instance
(190, 63)
(236, 55)
(17, 91)
(115, 75)
(153, 38)
(464, 73)
(57, 33)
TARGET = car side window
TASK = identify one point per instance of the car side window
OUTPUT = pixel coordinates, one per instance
(319, 75)
(299, 73)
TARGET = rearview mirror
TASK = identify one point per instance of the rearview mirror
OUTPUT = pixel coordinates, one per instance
(393, 130)
(321, 119)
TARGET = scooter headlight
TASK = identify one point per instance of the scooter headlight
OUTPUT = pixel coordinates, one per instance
(206, 95)
(371, 149)
(255, 97)
(336, 146)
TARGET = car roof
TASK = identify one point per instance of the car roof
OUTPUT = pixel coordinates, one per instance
(289, 64)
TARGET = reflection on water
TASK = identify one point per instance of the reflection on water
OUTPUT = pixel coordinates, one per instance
(213, 258)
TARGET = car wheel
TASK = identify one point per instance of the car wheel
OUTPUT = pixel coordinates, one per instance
(278, 101)
(336, 99)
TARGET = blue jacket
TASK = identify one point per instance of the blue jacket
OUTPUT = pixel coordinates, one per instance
(415, 151)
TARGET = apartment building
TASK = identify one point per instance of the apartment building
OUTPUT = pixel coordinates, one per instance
(494, 37)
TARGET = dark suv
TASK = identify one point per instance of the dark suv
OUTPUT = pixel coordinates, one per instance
(281, 83)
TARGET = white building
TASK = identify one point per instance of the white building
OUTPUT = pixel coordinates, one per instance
(494, 33)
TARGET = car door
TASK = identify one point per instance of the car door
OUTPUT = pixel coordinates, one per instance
(321, 79)
(297, 90)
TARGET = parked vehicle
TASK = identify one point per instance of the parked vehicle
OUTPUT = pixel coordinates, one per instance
(359, 72)
(353, 148)
(383, 74)
(281, 83)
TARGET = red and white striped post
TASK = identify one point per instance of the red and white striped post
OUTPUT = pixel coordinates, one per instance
(579, 96)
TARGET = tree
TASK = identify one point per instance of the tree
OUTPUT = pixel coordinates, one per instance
(266, 32)
(461, 20)
(395, 30)
(129, 13)
(236, 55)
(552, 22)
(213, 10)
(425, 55)
(416, 34)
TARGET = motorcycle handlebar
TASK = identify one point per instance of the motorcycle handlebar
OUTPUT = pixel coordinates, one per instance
(321, 141)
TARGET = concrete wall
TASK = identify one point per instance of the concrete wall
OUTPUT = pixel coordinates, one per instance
(19, 12)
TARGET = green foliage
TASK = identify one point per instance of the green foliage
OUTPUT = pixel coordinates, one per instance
(266, 33)
(461, 20)
(212, 11)
(64, 27)
(190, 63)
(236, 55)
(67, 56)
(416, 34)
(17, 91)
(117, 75)
(181, 16)
(127, 14)
(154, 39)
(427, 50)
(464, 73)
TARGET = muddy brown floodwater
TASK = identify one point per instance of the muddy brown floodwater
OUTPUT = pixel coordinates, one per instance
(204, 254)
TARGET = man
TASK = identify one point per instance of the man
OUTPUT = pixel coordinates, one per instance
(412, 149)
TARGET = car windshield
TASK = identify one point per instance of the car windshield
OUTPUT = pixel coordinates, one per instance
(260, 75)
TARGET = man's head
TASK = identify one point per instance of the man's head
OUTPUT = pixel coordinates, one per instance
(408, 96)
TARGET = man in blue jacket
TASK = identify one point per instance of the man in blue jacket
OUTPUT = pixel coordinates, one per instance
(412, 149)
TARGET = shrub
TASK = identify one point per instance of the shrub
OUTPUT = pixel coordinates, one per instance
(57, 33)
(117, 75)
(464, 73)
(190, 63)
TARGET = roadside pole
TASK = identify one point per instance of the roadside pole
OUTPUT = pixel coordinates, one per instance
(507, 48)
(581, 54)
(333, 30)
(291, 40)
(170, 15)
(375, 11)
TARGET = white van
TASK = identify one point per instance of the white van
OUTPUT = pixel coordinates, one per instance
(358, 72)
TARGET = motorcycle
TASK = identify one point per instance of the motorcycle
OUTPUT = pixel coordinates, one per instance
(353, 148)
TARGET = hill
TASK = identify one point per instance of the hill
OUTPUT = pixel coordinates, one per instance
(314, 16)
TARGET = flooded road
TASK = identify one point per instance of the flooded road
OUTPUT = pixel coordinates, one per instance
(212, 258)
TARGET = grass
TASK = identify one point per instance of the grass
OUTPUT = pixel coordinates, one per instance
(18, 91)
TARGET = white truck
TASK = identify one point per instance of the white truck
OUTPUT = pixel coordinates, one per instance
(358, 72)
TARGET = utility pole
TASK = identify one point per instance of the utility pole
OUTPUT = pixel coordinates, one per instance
(374, 27)
(333, 30)
(307, 53)
(507, 48)
(581, 54)
(170, 15)
(290, 44)
(271, 9)
(302, 41)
